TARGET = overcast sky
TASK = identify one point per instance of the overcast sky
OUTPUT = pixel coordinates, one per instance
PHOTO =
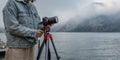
(67, 9)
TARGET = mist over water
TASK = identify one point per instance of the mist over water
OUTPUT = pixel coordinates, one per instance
(89, 10)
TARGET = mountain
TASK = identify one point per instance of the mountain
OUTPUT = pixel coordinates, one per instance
(100, 23)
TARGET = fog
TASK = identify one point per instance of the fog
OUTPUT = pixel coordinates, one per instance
(72, 10)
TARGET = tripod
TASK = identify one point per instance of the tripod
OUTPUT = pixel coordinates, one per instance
(47, 38)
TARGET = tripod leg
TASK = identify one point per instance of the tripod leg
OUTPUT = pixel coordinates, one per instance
(46, 49)
(58, 57)
(49, 53)
(40, 50)
(38, 44)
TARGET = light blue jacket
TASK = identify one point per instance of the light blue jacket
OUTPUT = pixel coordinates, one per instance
(21, 22)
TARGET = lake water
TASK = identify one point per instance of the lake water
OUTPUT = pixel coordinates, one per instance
(85, 46)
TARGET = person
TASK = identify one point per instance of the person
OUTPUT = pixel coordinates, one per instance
(21, 21)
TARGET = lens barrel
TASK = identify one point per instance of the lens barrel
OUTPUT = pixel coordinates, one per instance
(53, 20)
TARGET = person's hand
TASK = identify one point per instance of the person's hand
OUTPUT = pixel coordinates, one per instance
(39, 33)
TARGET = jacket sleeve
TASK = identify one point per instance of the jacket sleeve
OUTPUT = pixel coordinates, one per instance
(12, 25)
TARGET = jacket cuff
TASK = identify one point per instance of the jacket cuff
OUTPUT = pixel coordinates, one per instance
(33, 33)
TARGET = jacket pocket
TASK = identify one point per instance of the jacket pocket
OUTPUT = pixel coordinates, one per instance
(23, 18)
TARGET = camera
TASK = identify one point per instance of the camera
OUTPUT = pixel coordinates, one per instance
(49, 20)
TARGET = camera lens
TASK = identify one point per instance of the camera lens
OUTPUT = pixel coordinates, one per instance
(53, 20)
(56, 18)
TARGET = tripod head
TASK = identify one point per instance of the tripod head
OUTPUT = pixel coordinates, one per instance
(47, 28)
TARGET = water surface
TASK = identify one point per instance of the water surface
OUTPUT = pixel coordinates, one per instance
(85, 46)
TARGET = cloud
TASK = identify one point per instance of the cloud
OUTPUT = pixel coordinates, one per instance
(106, 6)
(65, 15)
(69, 9)
(89, 10)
